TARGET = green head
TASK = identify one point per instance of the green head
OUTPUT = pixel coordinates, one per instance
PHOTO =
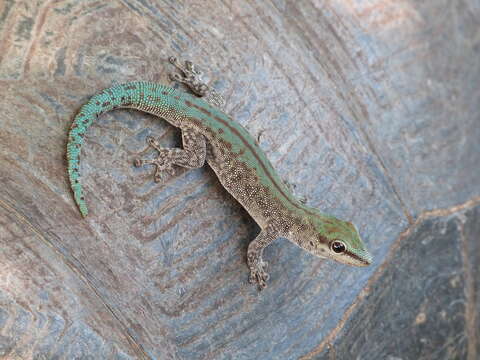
(329, 237)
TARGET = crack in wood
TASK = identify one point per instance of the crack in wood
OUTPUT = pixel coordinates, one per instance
(471, 331)
(470, 313)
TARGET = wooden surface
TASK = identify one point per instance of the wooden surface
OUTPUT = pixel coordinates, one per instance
(370, 107)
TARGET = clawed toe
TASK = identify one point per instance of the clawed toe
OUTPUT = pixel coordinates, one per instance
(259, 276)
(175, 77)
(259, 279)
(189, 65)
(151, 141)
(161, 169)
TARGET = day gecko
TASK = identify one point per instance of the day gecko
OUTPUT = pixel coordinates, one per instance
(211, 136)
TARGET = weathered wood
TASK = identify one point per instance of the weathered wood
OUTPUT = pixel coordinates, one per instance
(431, 305)
(370, 107)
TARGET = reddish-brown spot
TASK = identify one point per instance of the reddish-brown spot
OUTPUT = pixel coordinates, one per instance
(201, 109)
(322, 239)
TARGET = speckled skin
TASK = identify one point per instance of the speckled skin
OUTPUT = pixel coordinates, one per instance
(241, 166)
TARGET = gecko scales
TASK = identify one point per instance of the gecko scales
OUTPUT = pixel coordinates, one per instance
(211, 136)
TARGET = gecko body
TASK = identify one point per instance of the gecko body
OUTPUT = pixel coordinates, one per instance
(211, 136)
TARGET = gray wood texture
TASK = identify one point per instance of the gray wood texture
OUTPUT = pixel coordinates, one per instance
(419, 309)
(370, 107)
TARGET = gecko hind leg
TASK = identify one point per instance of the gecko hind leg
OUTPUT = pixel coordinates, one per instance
(191, 76)
(191, 156)
(256, 264)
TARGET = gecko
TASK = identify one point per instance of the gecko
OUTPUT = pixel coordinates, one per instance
(211, 136)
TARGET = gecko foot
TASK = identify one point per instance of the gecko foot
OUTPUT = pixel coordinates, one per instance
(191, 76)
(258, 275)
(161, 162)
(161, 167)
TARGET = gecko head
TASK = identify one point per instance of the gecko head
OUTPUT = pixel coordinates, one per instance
(335, 239)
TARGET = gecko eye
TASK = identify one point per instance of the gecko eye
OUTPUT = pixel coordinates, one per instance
(338, 247)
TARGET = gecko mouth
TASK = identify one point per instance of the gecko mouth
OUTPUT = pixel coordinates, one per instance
(362, 256)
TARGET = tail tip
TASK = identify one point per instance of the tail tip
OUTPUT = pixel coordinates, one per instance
(83, 210)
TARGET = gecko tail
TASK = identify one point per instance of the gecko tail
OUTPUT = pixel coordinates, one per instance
(108, 99)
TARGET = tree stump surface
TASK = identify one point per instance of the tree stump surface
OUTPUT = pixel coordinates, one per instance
(370, 107)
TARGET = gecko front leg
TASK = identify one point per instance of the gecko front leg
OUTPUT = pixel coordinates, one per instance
(191, 156)
(255, 261)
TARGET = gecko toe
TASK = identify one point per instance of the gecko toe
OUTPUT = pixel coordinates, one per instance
(259, 276)
(175, 77)
(151, 140)
(189, 65)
